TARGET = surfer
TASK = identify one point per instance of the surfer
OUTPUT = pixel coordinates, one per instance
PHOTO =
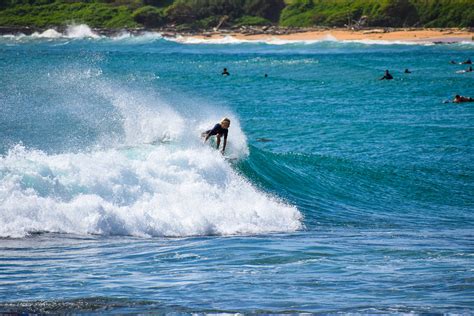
(387, 76)
(225, 72)
(460, 99)
(467, 62)
(220, 129)
(407, 71)
(464, 71)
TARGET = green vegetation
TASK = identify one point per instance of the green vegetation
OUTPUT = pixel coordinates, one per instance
(60, 14)
(149, 16)
(252, 20)
(210, 13)
(204, 14)
(384, 13)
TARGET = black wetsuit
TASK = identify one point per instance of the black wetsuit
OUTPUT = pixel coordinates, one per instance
(218, 129)
(387, 77)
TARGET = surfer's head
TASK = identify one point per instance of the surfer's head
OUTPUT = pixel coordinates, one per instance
(225, 122)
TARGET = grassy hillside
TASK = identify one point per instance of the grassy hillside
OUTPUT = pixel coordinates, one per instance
(394, 13)
(59, 14)
(210, 13)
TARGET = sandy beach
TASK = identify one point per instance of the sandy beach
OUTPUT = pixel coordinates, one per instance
(416, 35)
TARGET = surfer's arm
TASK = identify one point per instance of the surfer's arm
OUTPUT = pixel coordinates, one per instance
(218, 141)
(225, 144)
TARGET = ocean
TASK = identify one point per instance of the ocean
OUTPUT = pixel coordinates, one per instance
(343, 193)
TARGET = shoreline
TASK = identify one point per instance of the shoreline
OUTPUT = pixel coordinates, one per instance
(269, 33)
(375, 34)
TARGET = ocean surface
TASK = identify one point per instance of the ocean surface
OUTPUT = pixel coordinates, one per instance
(338, 192)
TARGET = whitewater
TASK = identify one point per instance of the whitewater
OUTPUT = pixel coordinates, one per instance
(338, 192)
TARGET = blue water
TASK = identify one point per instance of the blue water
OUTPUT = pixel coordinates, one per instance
(347, 193)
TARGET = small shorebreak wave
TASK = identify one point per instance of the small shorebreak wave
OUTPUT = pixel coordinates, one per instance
(82, 31)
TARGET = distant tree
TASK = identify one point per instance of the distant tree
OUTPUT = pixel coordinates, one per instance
(180, 13)
(148, 16)
(303, 4)
(396, 13)
(268, 9)
(188, 11)
(4, 4)
(158, 3)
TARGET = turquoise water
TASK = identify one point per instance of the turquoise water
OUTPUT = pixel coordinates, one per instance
(348, 194)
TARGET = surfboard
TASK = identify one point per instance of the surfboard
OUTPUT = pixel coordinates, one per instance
(230, 159)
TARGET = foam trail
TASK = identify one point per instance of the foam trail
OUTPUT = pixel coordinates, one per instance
(228, 39)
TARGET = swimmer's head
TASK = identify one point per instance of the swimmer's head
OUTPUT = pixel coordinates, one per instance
(225, 122)
(457, 96)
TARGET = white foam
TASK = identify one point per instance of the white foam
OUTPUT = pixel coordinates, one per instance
(50, 33)
(140, 191)
(387, 42)
(145, 37)
(273, 40)
(227, 39)
(80, 31)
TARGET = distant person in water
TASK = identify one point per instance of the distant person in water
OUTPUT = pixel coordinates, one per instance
(220, 129)
(467, 62)
(225, 72)
(464, 71)
(453, 62)
(460, 99)
(387, 76)
(407, 71)
(266, 76)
